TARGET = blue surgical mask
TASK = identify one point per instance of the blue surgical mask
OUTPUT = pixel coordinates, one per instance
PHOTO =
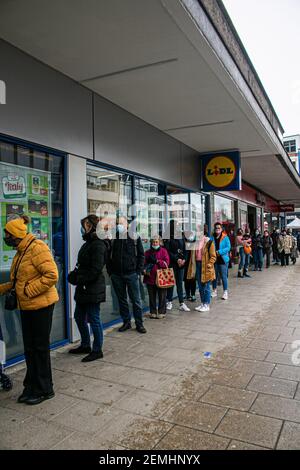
(82, 230)
(120, 228)
(155, 247)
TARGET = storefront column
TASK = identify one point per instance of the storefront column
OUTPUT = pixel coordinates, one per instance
(77, 209)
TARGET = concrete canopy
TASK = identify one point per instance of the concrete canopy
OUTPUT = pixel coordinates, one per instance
(163, 61)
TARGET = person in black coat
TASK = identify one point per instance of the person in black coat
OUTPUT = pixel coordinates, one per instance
(174, 242)
(267, 247)
(90, 289)
(125, 266)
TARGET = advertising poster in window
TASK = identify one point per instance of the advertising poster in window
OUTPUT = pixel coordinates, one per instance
(24, 191)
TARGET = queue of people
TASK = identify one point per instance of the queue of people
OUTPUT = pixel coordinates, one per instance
(187, 260)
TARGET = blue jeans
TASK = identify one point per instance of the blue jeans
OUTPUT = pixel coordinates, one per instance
(204, 287)
(85, 313)
(130, 283)
(258, 258)
(178, 273)
(244, 260)
(222, 271)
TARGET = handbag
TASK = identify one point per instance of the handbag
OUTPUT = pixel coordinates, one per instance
(11, 301)
(165, 278)
(247, 250)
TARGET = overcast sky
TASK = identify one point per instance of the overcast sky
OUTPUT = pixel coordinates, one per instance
(270, 32)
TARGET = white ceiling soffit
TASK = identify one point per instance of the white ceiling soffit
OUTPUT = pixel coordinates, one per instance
(150, 58)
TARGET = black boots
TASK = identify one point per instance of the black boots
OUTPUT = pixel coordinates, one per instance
(93, 356)
(124, 327)
(141, 329)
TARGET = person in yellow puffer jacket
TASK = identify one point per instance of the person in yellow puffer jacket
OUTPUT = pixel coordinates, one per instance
(35, 281)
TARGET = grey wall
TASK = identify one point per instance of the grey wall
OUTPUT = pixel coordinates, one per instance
(47, 108)
(43, 106)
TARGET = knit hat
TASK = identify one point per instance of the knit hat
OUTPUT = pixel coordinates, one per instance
(17, 227)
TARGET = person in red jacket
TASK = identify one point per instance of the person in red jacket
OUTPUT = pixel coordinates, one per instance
(157, 257)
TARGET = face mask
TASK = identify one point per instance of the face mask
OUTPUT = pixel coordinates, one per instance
(256, 232)
(10, 241)
(192, 238)
(155, 247)
(82, 230)
(120, 228)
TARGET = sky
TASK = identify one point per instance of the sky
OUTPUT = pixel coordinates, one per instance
(270, 32)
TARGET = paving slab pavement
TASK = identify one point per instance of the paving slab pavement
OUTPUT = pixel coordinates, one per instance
(160, 391)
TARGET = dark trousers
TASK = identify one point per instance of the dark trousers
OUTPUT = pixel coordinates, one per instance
(179, 285)
(36, 328)
(284, 258)
(275, 255)
(268, 258)
(190, 287)
(154, 293)
(121, 284)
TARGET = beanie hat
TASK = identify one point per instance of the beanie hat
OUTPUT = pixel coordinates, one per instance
(17, 227)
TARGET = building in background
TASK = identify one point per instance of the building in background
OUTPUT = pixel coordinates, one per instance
(292, 146)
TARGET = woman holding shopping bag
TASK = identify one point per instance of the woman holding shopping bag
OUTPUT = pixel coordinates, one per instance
(156, 258)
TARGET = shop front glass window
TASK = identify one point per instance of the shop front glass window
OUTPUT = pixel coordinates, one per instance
(178, 208)
(224, 212)
(197, 211)
(109, 196)
(31, 183)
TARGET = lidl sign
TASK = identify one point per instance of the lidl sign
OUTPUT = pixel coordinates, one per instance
(221, 171)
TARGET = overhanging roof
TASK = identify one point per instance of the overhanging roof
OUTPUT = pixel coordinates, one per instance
(163, 61)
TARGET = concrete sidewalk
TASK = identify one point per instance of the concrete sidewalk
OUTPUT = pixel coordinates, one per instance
(159, 391)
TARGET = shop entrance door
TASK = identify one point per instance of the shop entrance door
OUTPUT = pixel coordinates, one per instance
(252, 218)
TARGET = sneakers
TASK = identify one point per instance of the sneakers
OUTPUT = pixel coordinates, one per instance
(198, 309)
(225, 295)
(214, 293)
(153, 315)
(93, 356)
(184, 307)
(161, 315)
(169, 305)
(204, 308)
(246, 274)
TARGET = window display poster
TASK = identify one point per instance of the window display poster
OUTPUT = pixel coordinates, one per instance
(24, 191)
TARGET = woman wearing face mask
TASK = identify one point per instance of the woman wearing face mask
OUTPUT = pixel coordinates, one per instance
(156, 258)
(33, 276)
(205, 271)
(90, 289)
(222, 245)
(257, 250)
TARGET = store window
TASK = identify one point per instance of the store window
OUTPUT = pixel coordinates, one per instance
(109, 195)
(178, 207)
(31, 182)
(224, 211)
(197, 211)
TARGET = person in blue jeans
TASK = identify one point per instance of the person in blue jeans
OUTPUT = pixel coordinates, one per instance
(257, 250)
(243, 242)
(125, 266)
(90, 290)
(223, 247)
(205, 271)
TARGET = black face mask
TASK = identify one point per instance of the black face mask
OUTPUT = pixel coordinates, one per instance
(9, 241)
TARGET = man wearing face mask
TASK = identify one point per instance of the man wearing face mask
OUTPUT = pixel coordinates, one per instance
(33, 276)
(90, 290)
(125, 266)
(257, 250)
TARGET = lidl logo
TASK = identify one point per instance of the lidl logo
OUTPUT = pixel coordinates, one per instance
(221, 171)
